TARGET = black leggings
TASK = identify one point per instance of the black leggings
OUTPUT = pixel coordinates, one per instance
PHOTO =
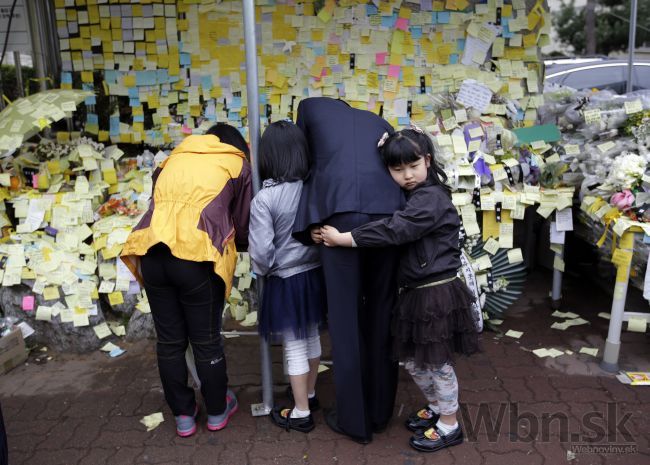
(186, 300)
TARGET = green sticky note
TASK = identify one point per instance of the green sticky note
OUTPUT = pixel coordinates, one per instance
(544, 132)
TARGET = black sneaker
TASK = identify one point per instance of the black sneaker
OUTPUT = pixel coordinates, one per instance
(314, 404)
(432, 440)
(423, 419)
(282, 418)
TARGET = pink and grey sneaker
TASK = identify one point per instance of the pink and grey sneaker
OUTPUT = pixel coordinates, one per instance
(218, 422)
(185, 424)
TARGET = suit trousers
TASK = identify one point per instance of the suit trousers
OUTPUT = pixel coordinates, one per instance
(186, 300)
(361, 297)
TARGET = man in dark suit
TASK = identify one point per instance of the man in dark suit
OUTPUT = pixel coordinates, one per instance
(349, 186)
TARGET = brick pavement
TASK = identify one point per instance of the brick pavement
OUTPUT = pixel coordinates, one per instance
(86, 409)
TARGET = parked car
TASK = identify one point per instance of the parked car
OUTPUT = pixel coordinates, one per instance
(597, 73)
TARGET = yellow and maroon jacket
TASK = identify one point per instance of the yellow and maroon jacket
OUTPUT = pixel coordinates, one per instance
(199, 207)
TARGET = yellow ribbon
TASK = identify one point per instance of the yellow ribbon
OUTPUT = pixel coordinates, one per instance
(610, 217)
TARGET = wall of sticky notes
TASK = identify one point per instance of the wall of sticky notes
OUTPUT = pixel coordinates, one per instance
(173, 67)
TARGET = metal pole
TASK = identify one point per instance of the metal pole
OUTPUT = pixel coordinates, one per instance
(556, 293)
(53, 53)
(613, 342)
(19, 74)
(37, 51)
(254, 136)
(630, 46)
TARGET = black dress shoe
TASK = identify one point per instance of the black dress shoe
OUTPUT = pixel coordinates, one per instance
(282, 418)
(333, 422)
(432, 440)
(423, 419)
(314, 404)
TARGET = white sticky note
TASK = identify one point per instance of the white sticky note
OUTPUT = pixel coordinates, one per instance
(514, 334)
(589, 351)
(637, 325)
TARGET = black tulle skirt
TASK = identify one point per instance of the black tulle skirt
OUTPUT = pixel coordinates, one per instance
(434, 322)
(295, 304)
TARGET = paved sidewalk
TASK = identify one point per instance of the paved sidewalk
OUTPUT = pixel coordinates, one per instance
(86, 409)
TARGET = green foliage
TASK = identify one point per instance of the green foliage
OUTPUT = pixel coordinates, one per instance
(9, 84)
(612, 26)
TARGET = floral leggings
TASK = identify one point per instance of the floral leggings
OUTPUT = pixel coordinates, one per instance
(439, 385)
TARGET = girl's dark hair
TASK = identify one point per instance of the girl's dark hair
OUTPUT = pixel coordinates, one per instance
(409, 145)
(284, 153)
(230, 135)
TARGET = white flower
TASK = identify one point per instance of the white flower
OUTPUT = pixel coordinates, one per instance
(625, 171)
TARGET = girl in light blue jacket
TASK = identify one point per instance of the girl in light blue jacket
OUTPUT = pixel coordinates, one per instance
(294, 299)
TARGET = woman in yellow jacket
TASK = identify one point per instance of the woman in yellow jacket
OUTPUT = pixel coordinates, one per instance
(183, 251)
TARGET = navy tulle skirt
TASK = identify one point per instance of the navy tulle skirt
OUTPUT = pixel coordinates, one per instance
(296, 304)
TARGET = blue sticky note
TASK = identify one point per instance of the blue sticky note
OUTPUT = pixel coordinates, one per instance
(66, 78)
(233, 116)
(416, 32)
(185, 59)
(206, 82)
(404, 121)
(134, 102)
(163, 76)
(371, 10)
(90, 100)
(453, 58)
(461, 44)
(116, 352)
(91, 118)
(133, 92)
(434, 17)
(138, 118)
(235, 104)
(646, 239)
(114, 128)
(388, 21)
(110, 76)
(506, 29)
(443, 17)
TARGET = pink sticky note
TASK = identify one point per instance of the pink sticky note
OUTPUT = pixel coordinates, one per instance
(393, 71)
(28, 303)
(380, 58)
(35, 181)
(402, 23)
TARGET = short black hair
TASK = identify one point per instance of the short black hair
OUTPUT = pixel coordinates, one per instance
(230, 135)
(284, 153)
(409, 145)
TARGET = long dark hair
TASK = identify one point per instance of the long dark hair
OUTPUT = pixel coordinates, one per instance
(284, 153)
(230, 135)
(409, 145)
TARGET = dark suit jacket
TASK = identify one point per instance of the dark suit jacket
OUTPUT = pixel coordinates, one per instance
(347, 173)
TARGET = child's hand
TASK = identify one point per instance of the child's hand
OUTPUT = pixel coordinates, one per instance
(316, 235)
(332, 237)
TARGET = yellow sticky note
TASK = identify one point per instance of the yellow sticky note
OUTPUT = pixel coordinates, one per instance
(51, 293)
(116, 298)
(102, 330)
(515, 256)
